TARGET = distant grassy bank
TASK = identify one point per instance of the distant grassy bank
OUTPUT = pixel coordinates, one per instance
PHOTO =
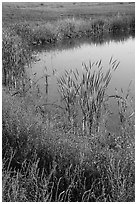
(42, 33)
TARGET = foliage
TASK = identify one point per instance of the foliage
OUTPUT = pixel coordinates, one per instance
(15, 55)
(69, 28)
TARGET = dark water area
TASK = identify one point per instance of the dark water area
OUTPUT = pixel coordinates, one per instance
(72, 53)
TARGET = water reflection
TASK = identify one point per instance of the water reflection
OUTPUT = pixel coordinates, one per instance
(76, 43)
(61, 59)
(55, 61)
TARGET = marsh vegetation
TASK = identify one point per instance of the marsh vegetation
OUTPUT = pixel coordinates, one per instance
(64, 152)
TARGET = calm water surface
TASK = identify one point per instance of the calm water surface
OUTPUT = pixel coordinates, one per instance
(123, 51)
(72, 58)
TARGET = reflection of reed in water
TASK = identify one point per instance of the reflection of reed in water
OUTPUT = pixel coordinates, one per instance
(47, 89)
(46, 82)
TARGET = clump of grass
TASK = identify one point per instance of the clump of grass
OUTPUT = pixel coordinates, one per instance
(44, 33)
(126, 117)
(119, 24)
(15, 55)
(86, 94)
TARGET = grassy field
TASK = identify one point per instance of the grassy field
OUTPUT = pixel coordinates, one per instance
(64, 153)
(14, 12)
(44, 23)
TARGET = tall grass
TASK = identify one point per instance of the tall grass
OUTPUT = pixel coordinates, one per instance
(86, 93)
(15, 56)
(45, 160)
(41, 33)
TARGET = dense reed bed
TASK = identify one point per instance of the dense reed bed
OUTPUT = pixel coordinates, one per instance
(51, 32)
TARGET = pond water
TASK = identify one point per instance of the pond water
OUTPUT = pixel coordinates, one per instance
(72, 58)
(60, 59)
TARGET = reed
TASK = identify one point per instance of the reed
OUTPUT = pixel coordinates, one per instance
(15, 55)
(86, 93)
